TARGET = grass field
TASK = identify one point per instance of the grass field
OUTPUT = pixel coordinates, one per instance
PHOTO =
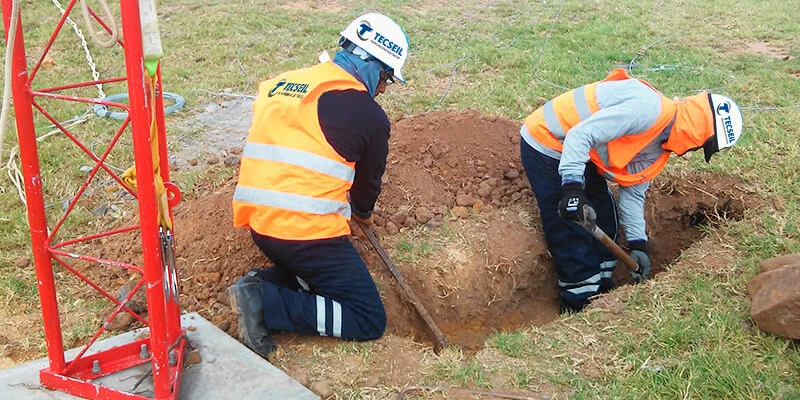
(677, 337)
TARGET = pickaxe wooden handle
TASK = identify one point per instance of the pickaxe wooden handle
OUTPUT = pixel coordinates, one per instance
(441, 341)
(606, 241)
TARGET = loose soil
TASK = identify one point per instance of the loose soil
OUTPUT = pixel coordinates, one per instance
(764, 48)
(453, 181)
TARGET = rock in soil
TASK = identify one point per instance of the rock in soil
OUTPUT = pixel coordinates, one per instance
(232, 160)
(465, 200)
(435, 222)
(775, 301)
(778, 262)
(322, 388)
(511, 173)
(207, 277)
(400, 218)
(427, 160)
(137, 303)
(391, 228)
(460, 211)
(423, 215)
(380, 231)
(121, 322)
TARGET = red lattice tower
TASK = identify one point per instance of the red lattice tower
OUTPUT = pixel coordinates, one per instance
(166, 345)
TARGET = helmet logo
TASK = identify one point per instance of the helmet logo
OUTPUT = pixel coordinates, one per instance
(364, 29)
(724, 107)
(730, 136)
(724, 111)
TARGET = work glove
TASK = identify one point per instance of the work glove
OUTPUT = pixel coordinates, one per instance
(574, 205)
(366, 221)
(639, 254)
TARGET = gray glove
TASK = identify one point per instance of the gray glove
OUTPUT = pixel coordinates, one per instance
(639, 254)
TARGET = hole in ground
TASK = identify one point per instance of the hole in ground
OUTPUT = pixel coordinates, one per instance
(492, 272)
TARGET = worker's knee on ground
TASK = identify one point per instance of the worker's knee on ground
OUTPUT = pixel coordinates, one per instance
(373, 325)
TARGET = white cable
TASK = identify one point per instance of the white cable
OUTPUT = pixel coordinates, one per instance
(12, 33)
(13, 171)
(15, 175)
(112, 24)
(89, 59)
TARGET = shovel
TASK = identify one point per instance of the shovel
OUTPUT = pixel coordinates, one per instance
(441, 341)
(598, 234)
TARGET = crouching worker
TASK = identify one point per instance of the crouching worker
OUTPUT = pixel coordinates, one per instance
(623, 130)
(317, 138)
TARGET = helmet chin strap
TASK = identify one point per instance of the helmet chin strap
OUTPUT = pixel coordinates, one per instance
(710, 147)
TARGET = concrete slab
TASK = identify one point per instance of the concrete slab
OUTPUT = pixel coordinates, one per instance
(227, 371)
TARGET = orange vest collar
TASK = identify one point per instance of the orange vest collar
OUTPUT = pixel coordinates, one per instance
(693, 125)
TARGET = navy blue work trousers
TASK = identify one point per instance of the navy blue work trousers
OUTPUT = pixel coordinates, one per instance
(319, 287)
(583, 264)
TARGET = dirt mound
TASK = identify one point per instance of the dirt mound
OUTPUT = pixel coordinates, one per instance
(472, 248)
(436, 157)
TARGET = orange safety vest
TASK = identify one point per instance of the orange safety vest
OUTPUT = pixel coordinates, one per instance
(550, 124)
(292, 184)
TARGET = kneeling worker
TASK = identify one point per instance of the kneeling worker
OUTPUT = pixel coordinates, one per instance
(623, 130)
(317, 137)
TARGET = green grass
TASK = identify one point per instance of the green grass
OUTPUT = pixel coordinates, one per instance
(413, 245)
(512, 344)
(678, 340)
(452, 367)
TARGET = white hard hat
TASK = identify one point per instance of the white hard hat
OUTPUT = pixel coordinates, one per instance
(382, 38)
(727, 124)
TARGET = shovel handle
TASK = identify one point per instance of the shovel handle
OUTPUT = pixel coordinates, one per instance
(441, 341)
(615, 249)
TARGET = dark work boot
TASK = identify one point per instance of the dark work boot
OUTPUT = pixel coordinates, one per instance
(245, 300)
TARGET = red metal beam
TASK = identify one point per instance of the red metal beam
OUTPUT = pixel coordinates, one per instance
(164, 319)
(148, 211)
(97, 260)
(52, 39)
(113, 360)
(105, 26)
(85, 389)
(95, 236)
(81, 84)
(99, 289)
(29, 156)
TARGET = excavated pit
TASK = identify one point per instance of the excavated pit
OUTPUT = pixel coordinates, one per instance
(457, 214)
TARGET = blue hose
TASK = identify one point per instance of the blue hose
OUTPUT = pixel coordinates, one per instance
(102, 111)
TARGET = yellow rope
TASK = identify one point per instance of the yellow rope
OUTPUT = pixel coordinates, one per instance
(129, 176)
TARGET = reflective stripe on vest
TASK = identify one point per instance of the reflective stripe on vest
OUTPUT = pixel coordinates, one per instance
(551, 119)
(300, 158)
(550, 124)
(290, 201)
(583, 110)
